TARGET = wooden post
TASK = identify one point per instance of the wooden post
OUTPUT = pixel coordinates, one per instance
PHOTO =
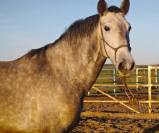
(149, 90)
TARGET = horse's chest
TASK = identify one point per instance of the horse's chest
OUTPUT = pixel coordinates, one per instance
(69, 112)
(61, 111)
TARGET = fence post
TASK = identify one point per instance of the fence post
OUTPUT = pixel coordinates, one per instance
(137, 78)
(149, 90)
(156, 76)
(114, 80)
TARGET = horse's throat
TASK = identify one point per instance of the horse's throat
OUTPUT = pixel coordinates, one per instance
(89, 72)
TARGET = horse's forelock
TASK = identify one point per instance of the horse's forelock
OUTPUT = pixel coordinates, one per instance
(114, 9)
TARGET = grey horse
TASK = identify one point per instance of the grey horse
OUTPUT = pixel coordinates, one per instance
(43, 91)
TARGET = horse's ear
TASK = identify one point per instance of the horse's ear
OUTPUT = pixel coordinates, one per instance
(125, 5)
(102, 7)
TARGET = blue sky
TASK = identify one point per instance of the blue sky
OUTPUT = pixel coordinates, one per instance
(28, 24)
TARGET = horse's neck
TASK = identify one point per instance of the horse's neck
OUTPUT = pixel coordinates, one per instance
(79, 63)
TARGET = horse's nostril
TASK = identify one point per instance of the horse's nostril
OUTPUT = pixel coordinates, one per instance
(126, 67)
(121, 66)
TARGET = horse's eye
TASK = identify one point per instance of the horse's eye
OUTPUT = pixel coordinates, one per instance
(107, 28)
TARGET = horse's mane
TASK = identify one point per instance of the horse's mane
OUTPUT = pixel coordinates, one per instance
(77, 30)
(81, 28)
(84, 27)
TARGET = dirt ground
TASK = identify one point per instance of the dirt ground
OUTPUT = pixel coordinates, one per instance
(103, 123)
(114, 118)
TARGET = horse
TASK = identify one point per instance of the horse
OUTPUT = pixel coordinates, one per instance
(43, 91)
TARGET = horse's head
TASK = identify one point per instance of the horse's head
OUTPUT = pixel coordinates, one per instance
(114, 30)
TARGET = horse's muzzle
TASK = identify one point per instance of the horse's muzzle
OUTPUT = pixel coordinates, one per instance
(126, 67)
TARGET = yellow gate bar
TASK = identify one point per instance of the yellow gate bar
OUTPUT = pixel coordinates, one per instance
(116, 100)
